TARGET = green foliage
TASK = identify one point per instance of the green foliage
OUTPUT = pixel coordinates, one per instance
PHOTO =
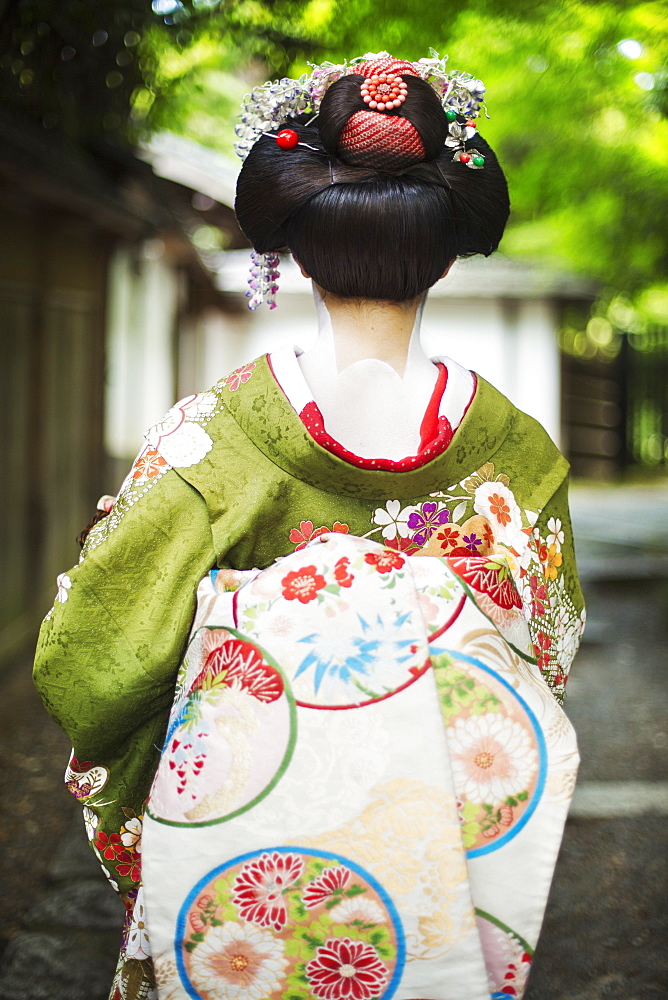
(578, 95)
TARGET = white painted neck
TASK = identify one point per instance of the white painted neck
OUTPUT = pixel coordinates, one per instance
(369, 375)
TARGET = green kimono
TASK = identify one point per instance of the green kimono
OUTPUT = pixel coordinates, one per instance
(232, 478)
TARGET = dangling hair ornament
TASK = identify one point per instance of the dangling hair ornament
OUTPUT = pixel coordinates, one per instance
(267, 108)
(263, 280)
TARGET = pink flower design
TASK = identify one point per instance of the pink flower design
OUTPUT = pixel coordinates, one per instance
(239, 377)
(259, 888)
(329, 883)
(345, 969)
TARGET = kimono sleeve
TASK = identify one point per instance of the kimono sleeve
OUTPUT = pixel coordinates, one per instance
(551, 593)
(109, 650)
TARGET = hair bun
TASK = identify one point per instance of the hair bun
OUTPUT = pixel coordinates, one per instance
(382, 140)
(374, 139)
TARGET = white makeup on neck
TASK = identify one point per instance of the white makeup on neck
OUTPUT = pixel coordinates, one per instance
(369, 375)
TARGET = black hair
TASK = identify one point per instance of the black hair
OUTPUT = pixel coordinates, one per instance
(371, 231)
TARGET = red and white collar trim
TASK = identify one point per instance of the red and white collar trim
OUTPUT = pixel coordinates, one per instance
(452, 396)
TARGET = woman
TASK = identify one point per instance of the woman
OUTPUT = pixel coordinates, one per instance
(374, 176)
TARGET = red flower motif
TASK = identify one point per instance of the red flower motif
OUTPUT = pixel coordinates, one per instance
(539, 595)
(239, 377)
(328, 883)
(345, 969)
(343, 577)
(541, 647)
(109, 846)
(129, 863)
(303, 584)
(305, 533)
(244, 669)
(449, 538)
(384, 561)
(259, 888)
(197, 923)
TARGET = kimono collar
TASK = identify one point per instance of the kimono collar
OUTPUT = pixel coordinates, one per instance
(255, 400)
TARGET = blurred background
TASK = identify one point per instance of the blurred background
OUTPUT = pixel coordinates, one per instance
(122, 280)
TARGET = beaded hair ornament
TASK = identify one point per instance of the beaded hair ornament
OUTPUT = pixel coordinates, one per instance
(383, 91)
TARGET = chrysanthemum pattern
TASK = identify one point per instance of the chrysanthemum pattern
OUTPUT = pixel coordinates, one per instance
(238, 962)
(345, 969)
(496, 751)
(271, 925)
(259, 889)
(492, 758)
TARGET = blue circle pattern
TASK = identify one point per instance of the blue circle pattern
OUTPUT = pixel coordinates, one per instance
(194, 892)
(477, 852)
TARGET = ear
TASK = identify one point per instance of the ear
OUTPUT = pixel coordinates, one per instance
(446, 270)
(300, 267)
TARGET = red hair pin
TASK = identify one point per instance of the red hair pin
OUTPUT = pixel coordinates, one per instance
(287, 138)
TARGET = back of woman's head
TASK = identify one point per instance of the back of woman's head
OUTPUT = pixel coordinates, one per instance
(371, 202)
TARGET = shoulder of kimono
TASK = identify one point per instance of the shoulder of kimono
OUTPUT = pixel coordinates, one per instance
(526, 452)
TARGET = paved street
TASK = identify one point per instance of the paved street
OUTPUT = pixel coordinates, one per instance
(605, 935)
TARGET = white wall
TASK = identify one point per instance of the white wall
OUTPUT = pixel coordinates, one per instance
(511, 343)
(141, 320)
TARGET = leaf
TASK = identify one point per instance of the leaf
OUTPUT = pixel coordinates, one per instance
(354, 890)
(459, 511)
(132, 975)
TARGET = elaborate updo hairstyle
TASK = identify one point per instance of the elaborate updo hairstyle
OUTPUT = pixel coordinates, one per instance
(371, 203)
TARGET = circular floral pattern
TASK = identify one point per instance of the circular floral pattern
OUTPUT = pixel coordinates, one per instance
(231, 732)
(497, 751)
(266, 924)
